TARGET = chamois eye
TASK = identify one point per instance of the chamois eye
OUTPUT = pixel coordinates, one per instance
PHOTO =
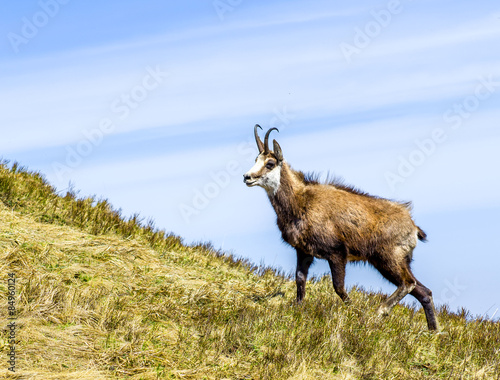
(270, 165)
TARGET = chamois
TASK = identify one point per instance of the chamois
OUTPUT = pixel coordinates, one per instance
(339, 223)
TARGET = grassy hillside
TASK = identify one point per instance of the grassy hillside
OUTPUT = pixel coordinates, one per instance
(99, 296)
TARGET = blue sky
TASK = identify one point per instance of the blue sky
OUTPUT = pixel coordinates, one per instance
(151, 104)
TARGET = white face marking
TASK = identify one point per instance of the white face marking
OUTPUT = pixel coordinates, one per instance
(259, 164)
(263, 177)
(272, 180)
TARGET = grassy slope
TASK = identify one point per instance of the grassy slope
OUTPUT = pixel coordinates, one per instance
(101, 297)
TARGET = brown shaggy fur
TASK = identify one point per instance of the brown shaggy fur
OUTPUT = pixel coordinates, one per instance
(339, 223)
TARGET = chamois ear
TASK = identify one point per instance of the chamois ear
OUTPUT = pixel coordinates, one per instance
(277, 151)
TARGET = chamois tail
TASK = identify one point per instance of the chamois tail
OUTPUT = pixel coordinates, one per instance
(422, 236)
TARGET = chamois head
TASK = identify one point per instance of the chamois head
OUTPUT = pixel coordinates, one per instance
(266, 172)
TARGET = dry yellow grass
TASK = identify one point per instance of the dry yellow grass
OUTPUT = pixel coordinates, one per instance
(99, 297)
(89, 306)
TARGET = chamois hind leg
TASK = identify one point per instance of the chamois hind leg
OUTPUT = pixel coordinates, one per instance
(397, 270)
(337, 267)
(424, 296)
(304, 261)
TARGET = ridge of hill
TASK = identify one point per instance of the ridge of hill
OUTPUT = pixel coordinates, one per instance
(100, 296)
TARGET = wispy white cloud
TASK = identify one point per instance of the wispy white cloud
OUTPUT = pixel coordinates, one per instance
(229, 76)
(470, 33)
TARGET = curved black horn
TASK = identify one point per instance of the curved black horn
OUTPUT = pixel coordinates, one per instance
(259, 142)
(266, 140)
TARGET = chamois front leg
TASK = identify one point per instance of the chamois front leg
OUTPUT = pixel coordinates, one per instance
(304, 261)
(337, 267)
